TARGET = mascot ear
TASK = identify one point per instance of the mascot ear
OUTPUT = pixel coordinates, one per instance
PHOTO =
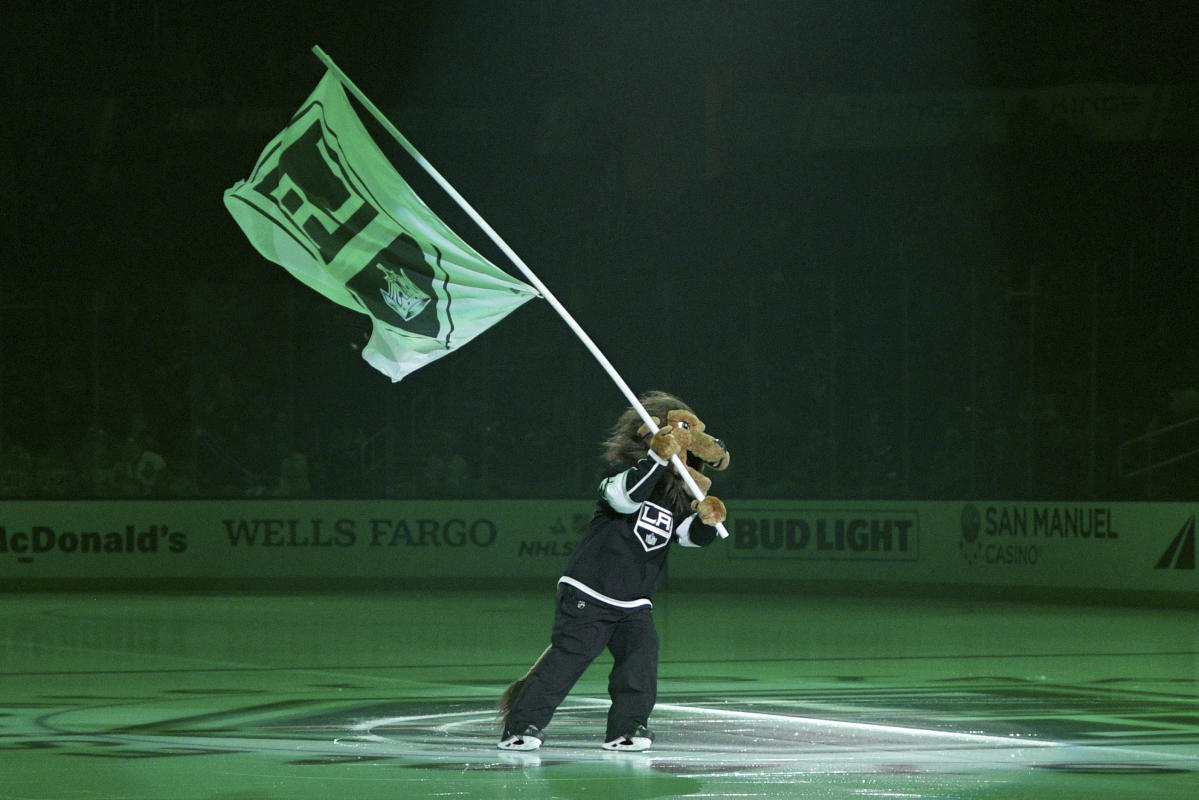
(644, 431)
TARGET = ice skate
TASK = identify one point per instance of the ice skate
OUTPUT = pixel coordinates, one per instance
(640, 738)
(528, 739)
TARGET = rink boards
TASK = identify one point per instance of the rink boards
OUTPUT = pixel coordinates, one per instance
(1098, 547)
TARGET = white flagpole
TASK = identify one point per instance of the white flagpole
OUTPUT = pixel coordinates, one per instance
(520, 264)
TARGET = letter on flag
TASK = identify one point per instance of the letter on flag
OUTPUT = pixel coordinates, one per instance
(325, 203)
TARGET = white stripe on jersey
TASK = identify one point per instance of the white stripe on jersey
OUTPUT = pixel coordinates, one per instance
(603, 598)
(618, 495)
(683, 532)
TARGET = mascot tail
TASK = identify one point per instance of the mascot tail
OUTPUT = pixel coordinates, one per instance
(508, 698)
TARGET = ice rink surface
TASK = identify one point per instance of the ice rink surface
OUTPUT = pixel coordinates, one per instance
(391, 695)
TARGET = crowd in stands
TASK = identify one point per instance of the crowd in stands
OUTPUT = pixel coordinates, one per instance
(270, 455)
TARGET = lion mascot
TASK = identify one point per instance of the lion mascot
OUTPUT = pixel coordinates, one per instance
(605, 594)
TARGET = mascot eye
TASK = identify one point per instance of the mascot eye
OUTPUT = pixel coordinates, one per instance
(682, 423)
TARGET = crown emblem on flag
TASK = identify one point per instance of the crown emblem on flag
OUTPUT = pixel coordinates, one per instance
(402, 296)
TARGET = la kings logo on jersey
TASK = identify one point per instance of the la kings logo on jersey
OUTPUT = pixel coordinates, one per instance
(653, 526)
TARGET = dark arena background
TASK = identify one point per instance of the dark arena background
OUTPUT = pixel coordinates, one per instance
(927, 267)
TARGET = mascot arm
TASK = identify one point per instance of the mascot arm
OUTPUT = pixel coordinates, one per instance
(625, 491)
(692, 532)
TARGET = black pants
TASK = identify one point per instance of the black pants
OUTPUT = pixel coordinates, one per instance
(583, 627)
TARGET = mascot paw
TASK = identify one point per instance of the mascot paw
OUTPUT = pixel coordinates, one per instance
(710, 510)
(666, 444)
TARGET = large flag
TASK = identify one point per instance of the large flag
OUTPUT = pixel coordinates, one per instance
(326, 204)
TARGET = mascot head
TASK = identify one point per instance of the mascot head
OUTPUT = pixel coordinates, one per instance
(628, 441)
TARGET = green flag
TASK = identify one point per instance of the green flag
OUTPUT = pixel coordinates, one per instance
(326, 204)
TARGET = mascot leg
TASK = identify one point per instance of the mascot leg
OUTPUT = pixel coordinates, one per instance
(530, 737)
(581, 631)
(633, 682)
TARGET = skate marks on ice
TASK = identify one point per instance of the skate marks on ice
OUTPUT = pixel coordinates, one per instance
(695, 740)
(928, 728)
(737, 738)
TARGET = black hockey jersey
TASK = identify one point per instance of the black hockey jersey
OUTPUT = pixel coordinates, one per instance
(622, 555)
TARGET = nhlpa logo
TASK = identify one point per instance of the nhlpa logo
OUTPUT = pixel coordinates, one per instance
(653, 526)
(1181, 552)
